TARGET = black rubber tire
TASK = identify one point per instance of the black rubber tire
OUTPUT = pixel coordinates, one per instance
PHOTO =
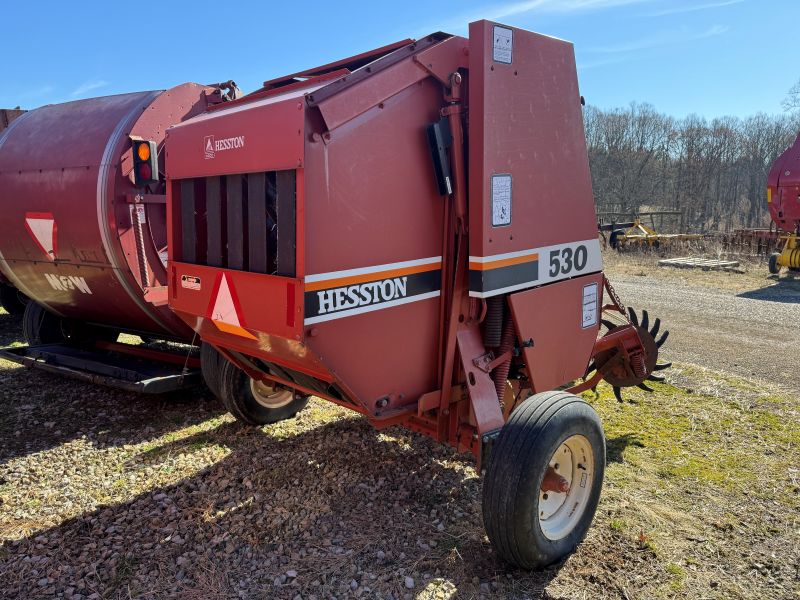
(774, 268)
(236, 396)
(210, 365)
(12, 299)
(614, 239)
(518, 462)
(42, 327)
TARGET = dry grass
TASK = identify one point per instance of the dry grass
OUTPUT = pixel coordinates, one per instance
(751, 274)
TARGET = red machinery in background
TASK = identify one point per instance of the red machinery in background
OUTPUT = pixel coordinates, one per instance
(83, 233)
(411, 233)
(11, 299)
(783, 200)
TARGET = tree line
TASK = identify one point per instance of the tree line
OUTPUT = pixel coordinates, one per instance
(714, 171)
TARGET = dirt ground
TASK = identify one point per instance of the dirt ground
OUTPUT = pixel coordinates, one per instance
(739, 322)
(109, 495)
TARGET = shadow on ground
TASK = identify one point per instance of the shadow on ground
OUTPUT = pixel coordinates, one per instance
(10, 328)
(785, 289)
(615, 447)
(351, 511)
(40, 411)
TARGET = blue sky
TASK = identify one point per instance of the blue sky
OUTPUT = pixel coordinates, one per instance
(709, 57)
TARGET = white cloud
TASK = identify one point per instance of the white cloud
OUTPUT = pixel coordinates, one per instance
(693, 8)
(554, 6)
(89, 86)
(43, 90)
(664, 38)
(498, 12)
(593, 64)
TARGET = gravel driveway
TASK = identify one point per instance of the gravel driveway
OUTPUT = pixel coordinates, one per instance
(747, 334)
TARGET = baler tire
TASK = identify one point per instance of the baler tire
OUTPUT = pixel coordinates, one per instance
(237, 397)
(614, 239)
(12, 300)
(522, 453)
(774, 267)
(210, 365)
(41, 327)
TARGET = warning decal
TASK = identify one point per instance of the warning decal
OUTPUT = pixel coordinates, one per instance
(503, 46)
(42, 227)
(501, 200)
(225, 311)
(190, 282)
(589, 318)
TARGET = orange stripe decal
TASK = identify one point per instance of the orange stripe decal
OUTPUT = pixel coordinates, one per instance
(503, 262)
(376, 276)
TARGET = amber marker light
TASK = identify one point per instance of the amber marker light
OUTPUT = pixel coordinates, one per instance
(143, 151)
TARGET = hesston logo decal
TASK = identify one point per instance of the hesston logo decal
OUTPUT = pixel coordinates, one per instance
(361, 295)
(211, 145)
(344, 293)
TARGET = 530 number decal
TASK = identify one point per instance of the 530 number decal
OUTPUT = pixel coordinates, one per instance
(566, 260)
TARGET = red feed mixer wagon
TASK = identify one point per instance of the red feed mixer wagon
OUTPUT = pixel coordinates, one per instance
(411, 233)
(11, 299)
(783, 200)
(83, 235)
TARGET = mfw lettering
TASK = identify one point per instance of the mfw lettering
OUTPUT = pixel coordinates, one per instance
(65, 283)
(211, 145)
(365, 294)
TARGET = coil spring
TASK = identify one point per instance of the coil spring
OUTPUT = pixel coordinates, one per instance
(638, 366)
(493, 326)
(500, 373)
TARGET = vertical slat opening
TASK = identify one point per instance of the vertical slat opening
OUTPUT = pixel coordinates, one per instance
(189, 229)
(215, 221)
(286, 188)
(235, 222)
(243, 222)
(257, 222)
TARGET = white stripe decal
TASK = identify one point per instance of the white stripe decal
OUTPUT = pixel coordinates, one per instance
(376, 269)
(594, 263)
(370, 308)
(518, 253)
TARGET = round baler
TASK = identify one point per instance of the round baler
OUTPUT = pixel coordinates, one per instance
(411, 233)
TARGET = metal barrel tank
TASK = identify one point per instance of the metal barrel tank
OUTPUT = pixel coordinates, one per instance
(76, 235)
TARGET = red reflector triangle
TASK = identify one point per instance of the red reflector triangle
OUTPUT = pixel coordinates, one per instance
(42, 227)
(225, 313)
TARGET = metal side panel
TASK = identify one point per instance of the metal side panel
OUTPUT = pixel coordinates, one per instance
(112, 369)
(557, 326)
(529, 181)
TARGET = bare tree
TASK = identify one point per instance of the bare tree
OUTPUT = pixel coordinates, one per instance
(792, 101)
(714, 172)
